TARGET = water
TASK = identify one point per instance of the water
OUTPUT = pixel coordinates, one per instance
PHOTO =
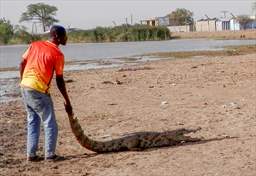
(10, 56)
(102, 55)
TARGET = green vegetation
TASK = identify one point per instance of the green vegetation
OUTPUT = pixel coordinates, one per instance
(19, 35)
(10, 34)
(120, 33)
(181, 16)
(6, 31)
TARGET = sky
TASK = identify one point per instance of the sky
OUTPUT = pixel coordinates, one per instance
(87, 14)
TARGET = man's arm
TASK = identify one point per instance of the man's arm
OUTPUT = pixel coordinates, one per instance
(22, 67)
(61, 86)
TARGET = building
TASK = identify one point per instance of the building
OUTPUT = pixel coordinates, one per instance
(185, 28)
(203, 25)
(157, 21)
(234, 25)
(150, 22)
(163, 21)
(214, 24)
(206, 25)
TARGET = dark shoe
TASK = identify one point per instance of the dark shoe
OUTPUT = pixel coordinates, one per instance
(34, 158)
(55, 158)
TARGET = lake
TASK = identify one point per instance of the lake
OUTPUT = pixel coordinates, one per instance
(100, 55)
(10, 55)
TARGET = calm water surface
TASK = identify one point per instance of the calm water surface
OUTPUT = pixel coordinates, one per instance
(10, 55)
(99, 55)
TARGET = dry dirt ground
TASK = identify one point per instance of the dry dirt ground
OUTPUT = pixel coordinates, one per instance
(217, 94)
(242, 34)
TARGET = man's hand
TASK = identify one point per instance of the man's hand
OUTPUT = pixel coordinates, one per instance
(68, 109)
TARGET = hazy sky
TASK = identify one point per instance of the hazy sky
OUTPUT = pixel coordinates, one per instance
(91, 13)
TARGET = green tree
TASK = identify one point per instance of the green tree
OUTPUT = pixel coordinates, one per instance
(40, 13)
(181, 16)
(243, 20)
(6, 31)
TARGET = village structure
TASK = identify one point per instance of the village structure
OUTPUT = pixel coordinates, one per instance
(207, 24)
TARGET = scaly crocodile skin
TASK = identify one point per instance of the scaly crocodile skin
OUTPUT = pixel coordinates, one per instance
(134, 141)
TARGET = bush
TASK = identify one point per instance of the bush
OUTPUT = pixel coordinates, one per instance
(120, 33)
(6, 31)
(22, 36)
(9, 35)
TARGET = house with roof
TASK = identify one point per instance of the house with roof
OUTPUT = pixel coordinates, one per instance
(150, 22)
(163, 21)
(234, 25)
(206, 25)
(166, 21)
(217, 24)
(157, 21)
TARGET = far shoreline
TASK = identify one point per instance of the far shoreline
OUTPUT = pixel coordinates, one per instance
(218, 35)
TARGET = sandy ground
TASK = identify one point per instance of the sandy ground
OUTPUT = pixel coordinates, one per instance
(242, 34)
(217, 94)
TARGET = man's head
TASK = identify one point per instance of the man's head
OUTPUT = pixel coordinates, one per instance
(58, 35)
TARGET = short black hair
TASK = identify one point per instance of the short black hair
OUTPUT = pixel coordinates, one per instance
(57, 29)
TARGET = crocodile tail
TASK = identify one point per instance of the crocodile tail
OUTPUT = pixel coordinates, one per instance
(83, 140)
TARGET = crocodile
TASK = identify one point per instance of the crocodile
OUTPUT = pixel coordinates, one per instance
(132, 142)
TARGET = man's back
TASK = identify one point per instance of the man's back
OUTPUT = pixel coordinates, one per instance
(42, 58)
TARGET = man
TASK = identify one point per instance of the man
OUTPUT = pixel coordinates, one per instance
(38, 65)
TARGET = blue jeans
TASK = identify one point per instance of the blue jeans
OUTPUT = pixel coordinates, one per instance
(39, 106)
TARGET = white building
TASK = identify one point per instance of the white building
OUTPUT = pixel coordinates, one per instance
(234, 25)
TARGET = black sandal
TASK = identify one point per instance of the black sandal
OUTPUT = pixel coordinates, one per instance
(34, 158)
(55, 158)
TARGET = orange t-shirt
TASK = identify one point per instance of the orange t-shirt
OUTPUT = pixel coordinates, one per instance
(42, 59)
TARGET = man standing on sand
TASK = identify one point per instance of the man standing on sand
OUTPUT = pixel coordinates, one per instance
(38, 65)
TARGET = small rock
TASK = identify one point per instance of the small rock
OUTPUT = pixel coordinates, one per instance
(232, 105)
(112, 104)
(55, 167)
(118, 82)
(164, 103)
(107, 82)
(194, 67)
(69, 81)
